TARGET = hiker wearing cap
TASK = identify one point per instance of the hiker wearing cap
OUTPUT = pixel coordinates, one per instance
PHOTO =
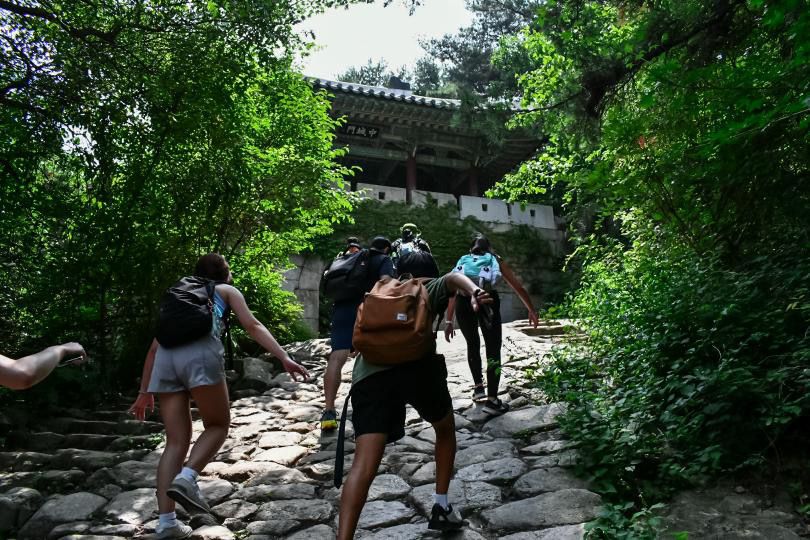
(370, 265)
(410, 240)
(485, 267)
(411, 254)
(397, 365)
(352, 245)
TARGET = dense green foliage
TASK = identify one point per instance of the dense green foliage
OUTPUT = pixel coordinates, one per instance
(684, 127)
(426, 77)
(135, 137)
(459, 65)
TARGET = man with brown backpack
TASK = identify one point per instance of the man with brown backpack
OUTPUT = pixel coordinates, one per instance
(398, 365)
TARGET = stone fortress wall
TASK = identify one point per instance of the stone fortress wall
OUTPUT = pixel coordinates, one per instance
(304, 278)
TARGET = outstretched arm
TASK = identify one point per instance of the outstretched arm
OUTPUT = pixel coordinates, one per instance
(510, 278)
(259, 332)
(32, 369)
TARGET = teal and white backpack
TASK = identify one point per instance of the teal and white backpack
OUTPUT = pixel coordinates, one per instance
(479, 267)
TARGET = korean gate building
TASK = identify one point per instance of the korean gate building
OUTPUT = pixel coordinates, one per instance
(409, 147)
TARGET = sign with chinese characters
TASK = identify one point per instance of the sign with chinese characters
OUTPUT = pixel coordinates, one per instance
(359, 130)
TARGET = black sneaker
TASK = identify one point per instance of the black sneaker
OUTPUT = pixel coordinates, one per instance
(479, 394)
(495, 407)
(444, 520)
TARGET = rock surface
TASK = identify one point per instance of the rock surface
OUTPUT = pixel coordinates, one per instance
(91, 474)
(73, 507)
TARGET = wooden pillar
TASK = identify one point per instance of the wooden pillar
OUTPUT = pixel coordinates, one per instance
(472, 182)
(410, 177)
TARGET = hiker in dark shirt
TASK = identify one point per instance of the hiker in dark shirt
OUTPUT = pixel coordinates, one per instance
(410, 240)
(411, 254)
(343, 317)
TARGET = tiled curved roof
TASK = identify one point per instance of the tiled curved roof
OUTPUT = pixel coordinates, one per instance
(405, 96)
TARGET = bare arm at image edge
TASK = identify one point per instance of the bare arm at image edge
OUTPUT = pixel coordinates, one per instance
(29, 370)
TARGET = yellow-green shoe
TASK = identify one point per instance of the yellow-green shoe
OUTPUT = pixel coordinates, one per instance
(329, 420)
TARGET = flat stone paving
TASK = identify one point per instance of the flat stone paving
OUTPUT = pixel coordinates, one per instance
(273, 476)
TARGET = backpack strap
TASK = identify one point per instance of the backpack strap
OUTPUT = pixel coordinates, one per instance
(210, 287)
(228, 341)
(341, 443)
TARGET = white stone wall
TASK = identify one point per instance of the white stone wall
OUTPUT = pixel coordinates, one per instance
(382, 193)
(534, 215)
(304, 280)
(419, 197)
(490, 210)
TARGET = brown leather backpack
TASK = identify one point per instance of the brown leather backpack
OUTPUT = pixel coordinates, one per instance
(393, 323)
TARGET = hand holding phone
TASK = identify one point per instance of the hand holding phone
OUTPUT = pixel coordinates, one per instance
(68, 361)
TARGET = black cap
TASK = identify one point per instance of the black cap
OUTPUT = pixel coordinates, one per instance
(380, 243)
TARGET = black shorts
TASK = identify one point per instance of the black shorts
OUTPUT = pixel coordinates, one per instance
(378, 401)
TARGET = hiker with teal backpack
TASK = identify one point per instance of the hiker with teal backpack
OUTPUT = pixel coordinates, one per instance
(186, 361)
(485, 268)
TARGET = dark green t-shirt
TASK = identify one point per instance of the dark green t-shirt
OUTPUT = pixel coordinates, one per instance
(438, 297)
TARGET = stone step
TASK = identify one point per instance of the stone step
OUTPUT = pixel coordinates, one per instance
(56, 481)
(550, 330)
(24, 461)
(104, 427)
(48, 441)
(110, 416)
(67, 458)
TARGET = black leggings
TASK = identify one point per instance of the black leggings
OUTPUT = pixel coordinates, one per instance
(469, 322)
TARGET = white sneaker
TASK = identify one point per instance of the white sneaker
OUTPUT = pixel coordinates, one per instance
(181, 530)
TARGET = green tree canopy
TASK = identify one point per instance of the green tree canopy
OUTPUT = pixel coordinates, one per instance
(134, 137)
(683, 125)
(694, 112)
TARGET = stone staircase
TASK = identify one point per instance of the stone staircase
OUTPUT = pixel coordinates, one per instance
(91, 474)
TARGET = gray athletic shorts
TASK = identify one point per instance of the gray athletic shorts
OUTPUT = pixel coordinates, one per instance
(199, 363)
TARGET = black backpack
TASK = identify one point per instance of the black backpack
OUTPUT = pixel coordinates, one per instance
(186, 312)
(347, 277)
(419, 264)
